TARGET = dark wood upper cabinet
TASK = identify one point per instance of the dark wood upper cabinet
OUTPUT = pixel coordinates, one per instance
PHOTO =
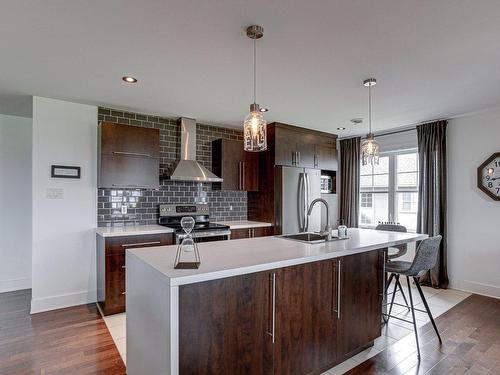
(361, 288)
(238, 169)
(128, 156)
(305, 337)
(224, 326)
(299, 147)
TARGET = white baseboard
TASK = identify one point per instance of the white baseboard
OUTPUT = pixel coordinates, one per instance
(475, 287)
(15, 284)
(62, 301)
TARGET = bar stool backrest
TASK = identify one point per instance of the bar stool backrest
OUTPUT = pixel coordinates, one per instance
(425, 256)
(394, 227)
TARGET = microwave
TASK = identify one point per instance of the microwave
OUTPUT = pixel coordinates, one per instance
(326, 184)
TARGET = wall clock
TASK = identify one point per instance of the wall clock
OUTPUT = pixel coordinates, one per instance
(488, 176)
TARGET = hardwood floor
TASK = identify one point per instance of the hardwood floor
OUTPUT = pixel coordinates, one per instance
(68, 341)
(471, 344)
(76, 341)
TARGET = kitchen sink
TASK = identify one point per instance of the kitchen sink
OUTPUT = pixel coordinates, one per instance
(306, 237)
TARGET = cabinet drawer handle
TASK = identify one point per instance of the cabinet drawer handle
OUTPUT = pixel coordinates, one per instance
(273, 312)
(141, 244)
(123, 293)
(243, 187)
(139, 154)
(240, 178)
(338, 289)
(124, 267)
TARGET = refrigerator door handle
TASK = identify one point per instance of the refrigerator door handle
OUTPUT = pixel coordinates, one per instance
(300, 201)
(306, 202)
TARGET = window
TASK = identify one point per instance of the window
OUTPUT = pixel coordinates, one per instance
(366, 200)
(389, 191)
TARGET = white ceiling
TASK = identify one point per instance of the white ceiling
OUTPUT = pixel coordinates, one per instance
(432, 58)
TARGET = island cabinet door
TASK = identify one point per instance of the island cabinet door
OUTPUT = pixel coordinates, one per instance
(360, 303)
(305, 331)
(225, 326)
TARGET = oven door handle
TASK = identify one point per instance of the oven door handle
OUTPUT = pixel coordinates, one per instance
(205, 234)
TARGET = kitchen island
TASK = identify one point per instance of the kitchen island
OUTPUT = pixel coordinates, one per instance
(256, 306)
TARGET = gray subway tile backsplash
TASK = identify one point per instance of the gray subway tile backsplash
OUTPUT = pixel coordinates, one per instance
(143, 205)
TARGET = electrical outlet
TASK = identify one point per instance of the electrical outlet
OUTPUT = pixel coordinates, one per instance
(124, 209)
(54, 193)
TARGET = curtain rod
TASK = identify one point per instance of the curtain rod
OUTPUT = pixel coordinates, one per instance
(404, 130)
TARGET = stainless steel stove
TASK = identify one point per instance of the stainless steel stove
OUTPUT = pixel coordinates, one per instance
(204, 230)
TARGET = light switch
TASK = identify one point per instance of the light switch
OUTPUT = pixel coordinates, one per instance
(54, 193)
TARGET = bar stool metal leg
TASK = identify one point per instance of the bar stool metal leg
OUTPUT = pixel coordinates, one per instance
(413, 315)
(396, 276)
(388, 283)
(427, 308)
(402, 293)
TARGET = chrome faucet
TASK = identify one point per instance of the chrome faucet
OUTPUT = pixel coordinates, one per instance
(328, 229)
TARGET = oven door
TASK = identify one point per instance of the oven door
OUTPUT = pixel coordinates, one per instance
(205, 236)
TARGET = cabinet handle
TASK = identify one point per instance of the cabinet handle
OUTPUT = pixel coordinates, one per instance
(293, 158)
(253, 233)
(298, 157)
(382, 284)
(135, 186)
(273, 306)
(141, 244)
(124, 293)
(141, 155)
(124, 267)
(338, 289)
(316, 161)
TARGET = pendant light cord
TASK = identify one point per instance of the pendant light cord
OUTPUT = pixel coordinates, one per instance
(254, 69)
(370, 106)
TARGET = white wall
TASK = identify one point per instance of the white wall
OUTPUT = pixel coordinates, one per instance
(63, 258)
(15, 203)
(473, 217)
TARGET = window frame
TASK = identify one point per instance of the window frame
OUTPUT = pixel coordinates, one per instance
(392, 189)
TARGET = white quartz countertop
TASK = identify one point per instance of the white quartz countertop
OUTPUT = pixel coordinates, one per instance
(236, 257)
(133, 230)
(244, 224)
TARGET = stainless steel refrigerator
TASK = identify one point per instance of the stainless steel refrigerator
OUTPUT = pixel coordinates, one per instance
(298, 187)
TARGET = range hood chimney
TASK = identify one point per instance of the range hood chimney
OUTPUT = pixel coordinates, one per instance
(188, 169)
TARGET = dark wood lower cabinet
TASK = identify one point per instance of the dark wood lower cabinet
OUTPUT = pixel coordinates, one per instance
(224, 326)
(305, 322)
(251, 232)
(111, 267)
(359, 323)
(298, 320)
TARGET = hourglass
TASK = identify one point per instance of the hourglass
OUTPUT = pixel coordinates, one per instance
(187, 245)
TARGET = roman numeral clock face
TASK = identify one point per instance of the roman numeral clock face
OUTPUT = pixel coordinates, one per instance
(488, 176)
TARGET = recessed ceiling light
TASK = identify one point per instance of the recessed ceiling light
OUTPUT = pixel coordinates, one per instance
(262, 109)
(357, 121)
(129, 79)
(341, 128)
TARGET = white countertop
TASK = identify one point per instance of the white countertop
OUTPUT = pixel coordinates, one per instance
(132, 230)
(244, 224)
(236, 257)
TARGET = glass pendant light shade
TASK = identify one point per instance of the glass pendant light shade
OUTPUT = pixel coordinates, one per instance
(369, 148)
(369, 151)
(254, 130)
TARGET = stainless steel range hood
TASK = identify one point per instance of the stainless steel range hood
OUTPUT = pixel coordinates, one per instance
(188, 169)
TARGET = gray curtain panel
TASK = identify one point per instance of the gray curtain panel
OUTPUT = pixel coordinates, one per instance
(432, 205)
(349, 181)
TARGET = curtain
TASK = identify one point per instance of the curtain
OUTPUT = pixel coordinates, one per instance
(349, 181)
(431, 217)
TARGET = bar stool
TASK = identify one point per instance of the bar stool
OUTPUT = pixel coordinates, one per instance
(401, 250)
(425, 259)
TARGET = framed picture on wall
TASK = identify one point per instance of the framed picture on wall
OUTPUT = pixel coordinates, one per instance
(65, 171)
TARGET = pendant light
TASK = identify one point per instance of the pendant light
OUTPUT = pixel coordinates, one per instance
(254, 125)
(370, 148)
